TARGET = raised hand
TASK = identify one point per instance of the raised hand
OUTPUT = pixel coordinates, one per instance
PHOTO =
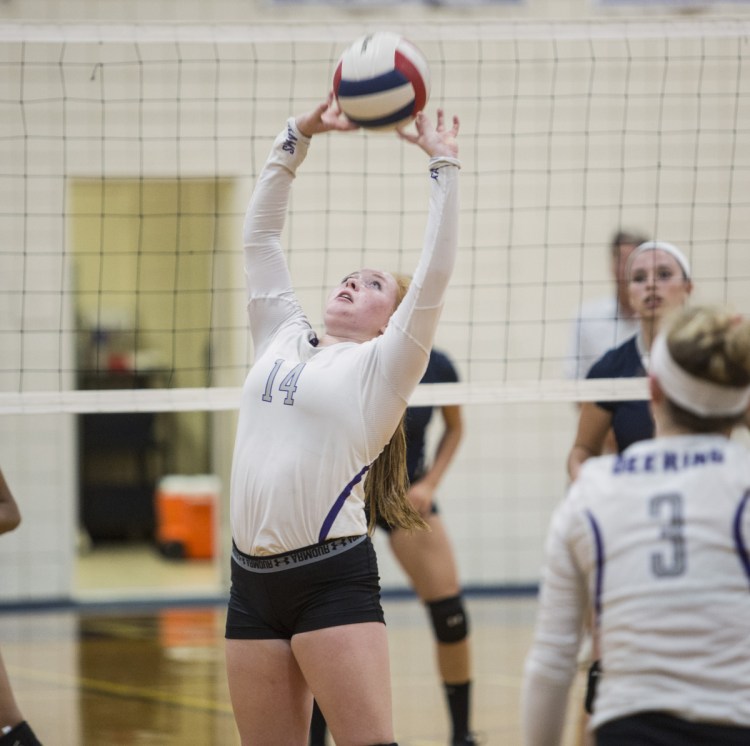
(435, 140)
(324, 118)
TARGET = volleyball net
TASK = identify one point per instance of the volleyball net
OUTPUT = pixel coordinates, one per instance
(128, 154)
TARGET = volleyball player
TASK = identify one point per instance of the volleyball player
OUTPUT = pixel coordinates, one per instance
(657, 541)
(658, 283)
(14, 730)
(605, 322)
(427, 556)
(316, 412)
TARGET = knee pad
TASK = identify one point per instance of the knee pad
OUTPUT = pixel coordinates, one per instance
(449, 619)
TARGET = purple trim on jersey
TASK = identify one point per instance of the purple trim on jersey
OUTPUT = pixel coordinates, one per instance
(599, 547)
(340, 500)
(742, 549)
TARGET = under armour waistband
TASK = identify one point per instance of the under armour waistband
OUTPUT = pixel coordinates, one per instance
(297, 557)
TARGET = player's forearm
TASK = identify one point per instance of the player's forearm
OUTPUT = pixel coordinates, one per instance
(543, 708)
(10, 516)
(265, 266)
(439, 248)
(444, 455)
(9, 520)
(407, 340)
(578, 455)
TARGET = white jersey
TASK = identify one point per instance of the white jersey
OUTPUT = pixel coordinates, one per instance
(313, 419)
(598, 328)
(657, 541)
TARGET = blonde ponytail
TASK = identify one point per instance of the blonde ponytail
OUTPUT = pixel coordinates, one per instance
(387, 485)
(387, 481)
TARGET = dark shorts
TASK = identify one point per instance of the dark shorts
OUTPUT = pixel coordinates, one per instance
(323, 585)
(661, 729)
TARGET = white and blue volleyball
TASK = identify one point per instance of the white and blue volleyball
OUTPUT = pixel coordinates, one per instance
(382, 81)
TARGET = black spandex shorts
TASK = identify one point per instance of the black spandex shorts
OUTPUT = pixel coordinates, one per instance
(323, 585)
(661, 729)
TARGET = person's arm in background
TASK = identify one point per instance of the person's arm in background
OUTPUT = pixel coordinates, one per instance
(10, 516)
(13, 727)
(422, 491)
(594, 424)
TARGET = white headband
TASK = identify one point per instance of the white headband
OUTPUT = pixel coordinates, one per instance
(700, 397)
(663, 246)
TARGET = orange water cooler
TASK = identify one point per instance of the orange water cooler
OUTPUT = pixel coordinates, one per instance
(187, 516)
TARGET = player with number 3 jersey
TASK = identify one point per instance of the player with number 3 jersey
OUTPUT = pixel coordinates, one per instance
(657, 540)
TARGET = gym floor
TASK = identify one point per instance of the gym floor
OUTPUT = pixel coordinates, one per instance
(105, 675)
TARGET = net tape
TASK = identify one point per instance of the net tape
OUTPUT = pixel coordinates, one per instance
(227, 398)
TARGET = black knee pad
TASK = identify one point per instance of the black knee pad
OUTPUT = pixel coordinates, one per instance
(449, 619)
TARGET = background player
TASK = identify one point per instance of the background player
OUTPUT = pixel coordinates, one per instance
(659, 283)
(605, 322)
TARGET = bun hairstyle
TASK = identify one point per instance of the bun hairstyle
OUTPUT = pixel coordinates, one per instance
(711, 348)
(712, 344)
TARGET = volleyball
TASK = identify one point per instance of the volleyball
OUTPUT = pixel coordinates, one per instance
(382, 81)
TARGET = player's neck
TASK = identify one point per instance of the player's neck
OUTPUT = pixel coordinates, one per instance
(647, 333)
(331, 339)
(665, 427)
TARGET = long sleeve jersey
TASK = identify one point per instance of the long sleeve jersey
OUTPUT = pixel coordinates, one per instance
(656, 540)
(313, 419)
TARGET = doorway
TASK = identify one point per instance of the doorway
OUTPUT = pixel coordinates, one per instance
(148, 283)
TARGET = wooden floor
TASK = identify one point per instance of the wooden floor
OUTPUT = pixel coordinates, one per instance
(110, 674)
(124, 676)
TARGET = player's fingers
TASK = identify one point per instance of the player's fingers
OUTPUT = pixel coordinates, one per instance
(408, 136)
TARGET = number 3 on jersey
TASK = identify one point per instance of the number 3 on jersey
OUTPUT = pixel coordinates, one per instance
(667, 509)
(288, 385)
